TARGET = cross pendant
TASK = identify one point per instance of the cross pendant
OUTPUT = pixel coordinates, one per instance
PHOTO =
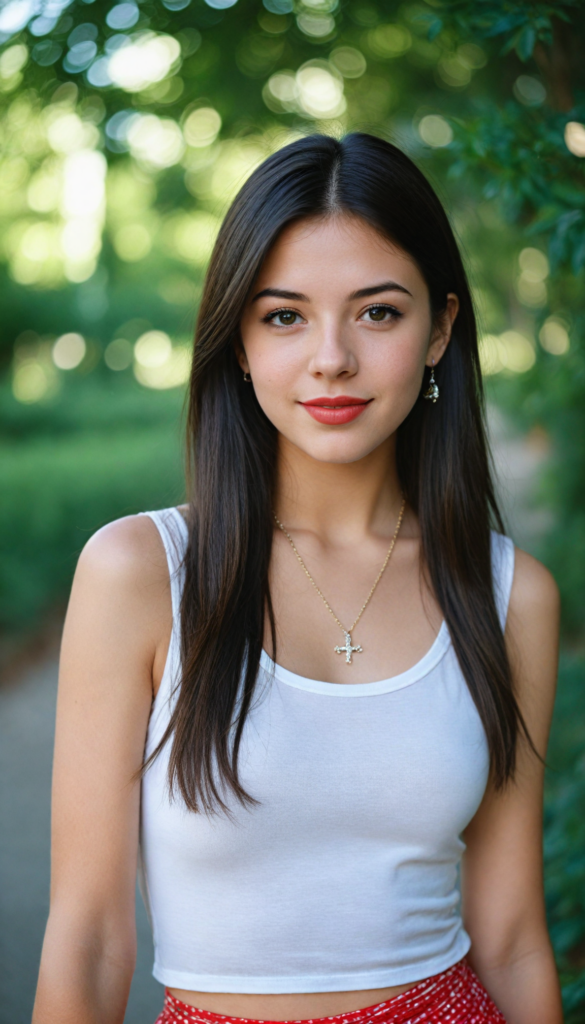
(347, 649)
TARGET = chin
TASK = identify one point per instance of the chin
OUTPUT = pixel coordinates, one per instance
(338, 450)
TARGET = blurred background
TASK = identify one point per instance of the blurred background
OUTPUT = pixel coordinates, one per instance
(125, 130)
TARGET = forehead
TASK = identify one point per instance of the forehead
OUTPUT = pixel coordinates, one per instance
(343, 250)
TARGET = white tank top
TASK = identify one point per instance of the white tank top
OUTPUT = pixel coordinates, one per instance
(345, 875)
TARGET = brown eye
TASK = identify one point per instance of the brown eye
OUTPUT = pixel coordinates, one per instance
(283, 318)
(378, 313)
(287, 317)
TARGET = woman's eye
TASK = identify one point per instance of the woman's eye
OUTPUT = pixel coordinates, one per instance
(283, 318)
(381, 314)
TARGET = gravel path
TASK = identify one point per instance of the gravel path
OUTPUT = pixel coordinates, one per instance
(27, 713)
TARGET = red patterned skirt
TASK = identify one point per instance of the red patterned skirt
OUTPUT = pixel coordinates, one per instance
(454, 997)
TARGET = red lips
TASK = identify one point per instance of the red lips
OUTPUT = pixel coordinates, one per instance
(336, 410)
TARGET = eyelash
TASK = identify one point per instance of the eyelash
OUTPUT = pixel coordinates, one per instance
(396, 314)
(270, 317)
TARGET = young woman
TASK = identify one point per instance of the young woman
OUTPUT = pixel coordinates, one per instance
(304, 699)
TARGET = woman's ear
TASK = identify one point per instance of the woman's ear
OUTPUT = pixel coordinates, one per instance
(241, 356)
(441, 333)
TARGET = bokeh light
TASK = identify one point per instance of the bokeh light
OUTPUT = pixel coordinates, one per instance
(511, 351)
(84, 176)
(33, 372)
(67, 133)
(173, 373)
(152, 349)
(518, 351)
(201, 127)
(11, 63)
(316, 25)
(490, 355)
(554, 336)
(320, 89)
(159, 365)
(472, 55)
(69, 351)
(530, 285)
(529, 91)
(388, 41)
(533, 264)
(147, 58)
(349, 61)
(435, 131)
(44, 189)
(575, 138)
(280, 92)
(118, 354)
(454, 71)
(132, 242)
(191, 236)
(122, 16)
(35, 253)
(80, 56)
(83, 209)
(30, 381)
(155, 141)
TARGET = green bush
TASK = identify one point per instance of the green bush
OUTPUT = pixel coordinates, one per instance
(564, 836)
(67, 474)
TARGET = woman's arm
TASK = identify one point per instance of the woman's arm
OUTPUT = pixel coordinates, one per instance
(503, 899)
(114, 645)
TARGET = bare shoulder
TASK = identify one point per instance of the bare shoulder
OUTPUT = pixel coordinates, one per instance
(127, 552)
(120, 598)
(532, 635)
(534, 590)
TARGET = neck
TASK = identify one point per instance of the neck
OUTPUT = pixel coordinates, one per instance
(339, 501)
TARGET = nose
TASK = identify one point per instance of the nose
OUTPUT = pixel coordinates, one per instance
(333, 355)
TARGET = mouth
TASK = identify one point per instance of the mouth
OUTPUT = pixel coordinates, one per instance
(336, 410)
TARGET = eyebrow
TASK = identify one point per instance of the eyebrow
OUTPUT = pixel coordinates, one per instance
(362, 293)
(375, 289)
(280, 293)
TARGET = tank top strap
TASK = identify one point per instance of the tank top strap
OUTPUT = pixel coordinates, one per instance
(502, 572)
(174, 535)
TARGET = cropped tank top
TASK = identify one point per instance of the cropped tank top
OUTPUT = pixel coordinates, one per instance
(344, 875)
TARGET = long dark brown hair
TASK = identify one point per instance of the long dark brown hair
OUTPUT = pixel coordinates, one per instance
(442, 458)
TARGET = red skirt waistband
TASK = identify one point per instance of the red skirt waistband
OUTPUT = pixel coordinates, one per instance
(456, 996)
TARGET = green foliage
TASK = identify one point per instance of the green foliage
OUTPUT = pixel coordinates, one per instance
(565, 836)
(69, 470)
(523, 24)
(551, 396)
(520, 161)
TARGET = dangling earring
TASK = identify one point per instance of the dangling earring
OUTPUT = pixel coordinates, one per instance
(247, 377)
(432, 392)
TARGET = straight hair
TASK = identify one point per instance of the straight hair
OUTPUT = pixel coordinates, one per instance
(442, 459)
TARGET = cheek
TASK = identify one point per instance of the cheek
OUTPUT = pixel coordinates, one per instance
(275, 371)
(275, 385)
(275, 364)
(395, 364)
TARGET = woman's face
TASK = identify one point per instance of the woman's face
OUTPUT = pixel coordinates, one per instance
(336, 335)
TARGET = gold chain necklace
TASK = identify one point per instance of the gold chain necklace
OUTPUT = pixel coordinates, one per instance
(348, 649)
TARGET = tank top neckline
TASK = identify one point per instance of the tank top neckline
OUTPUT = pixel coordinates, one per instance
(417, 671)
(397, 682)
